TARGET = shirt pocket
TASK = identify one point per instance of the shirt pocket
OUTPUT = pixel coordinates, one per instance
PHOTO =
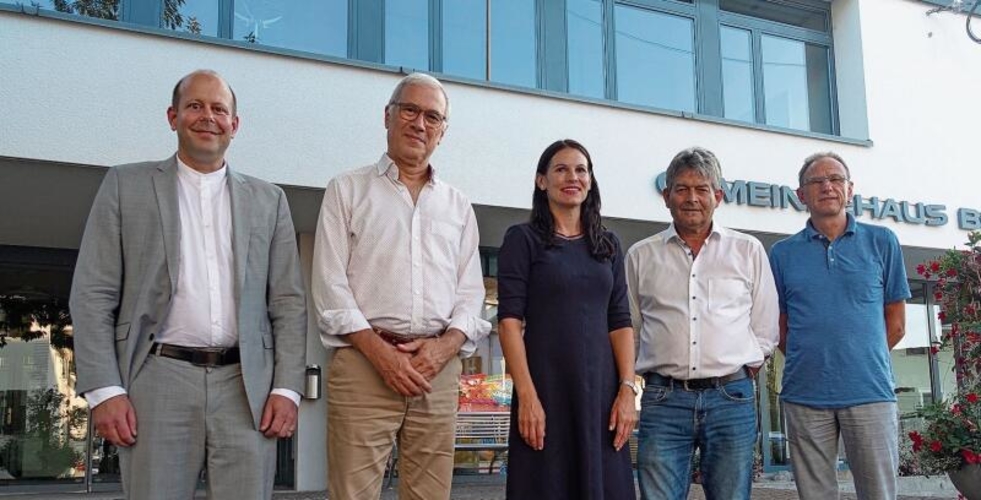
(729, 297)
(446, 237)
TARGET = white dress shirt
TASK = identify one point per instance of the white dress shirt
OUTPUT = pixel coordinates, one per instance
(381, 260)
(202, 312)
(704, 316)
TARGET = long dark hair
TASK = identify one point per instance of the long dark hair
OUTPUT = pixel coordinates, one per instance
(601, 245)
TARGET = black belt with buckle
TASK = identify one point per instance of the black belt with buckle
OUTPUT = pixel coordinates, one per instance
(198, 356)
(695, 384)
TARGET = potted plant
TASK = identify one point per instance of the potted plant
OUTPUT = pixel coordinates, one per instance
(951, 439)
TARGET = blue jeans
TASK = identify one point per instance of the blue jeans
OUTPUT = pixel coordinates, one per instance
(674, 422)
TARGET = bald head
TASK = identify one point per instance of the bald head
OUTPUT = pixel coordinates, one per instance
(182, 83)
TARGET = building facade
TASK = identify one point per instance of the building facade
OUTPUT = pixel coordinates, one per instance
(762, 83)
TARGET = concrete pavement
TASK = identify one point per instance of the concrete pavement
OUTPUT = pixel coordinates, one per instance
(491, 487)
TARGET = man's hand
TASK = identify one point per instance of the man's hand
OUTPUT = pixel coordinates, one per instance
(430, 355)
(393, 366)
(115, 420)
(278, 417)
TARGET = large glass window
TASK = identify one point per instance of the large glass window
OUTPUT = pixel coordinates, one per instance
(318, 26)
(756, 61)
(407, 34)
(102, 9)
(199, 17)
(513, 42)
(464, 38)
(655, 59)
(737, 74)
(584, 19)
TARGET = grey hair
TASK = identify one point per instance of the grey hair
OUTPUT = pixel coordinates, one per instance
(699, 159)
(811, 160)
(423, 80)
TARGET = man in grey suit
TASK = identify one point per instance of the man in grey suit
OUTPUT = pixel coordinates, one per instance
(189, 312)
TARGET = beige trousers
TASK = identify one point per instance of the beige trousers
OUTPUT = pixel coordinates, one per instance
(364, 417)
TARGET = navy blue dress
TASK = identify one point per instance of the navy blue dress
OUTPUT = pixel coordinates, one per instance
(570, 302)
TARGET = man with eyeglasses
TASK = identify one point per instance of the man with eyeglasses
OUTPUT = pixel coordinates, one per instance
(842, 288)
(398, 293)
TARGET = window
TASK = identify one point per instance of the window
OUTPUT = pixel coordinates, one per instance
(783, 53)
(199, 17)
(739, 98)
(318, 26)
(464, 38)
(512, 40)
(655, 59)
(407, 33)
(584, 19)
(767, 62)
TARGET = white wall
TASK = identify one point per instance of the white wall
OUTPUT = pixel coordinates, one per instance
(84, 94)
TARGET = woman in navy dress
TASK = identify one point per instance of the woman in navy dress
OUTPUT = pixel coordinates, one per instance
(572, 364)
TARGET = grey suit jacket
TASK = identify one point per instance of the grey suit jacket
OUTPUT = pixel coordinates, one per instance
(127, 272)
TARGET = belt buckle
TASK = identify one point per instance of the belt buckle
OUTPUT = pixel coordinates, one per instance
(205, 358)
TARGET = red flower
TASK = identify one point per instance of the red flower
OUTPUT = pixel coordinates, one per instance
(972, 398)
(936, 446)
(921, 269)
(917, 440)
(952, 272)
(934, 266)
(941, 316)
(934, 349)
(970, 310)
(970, 457)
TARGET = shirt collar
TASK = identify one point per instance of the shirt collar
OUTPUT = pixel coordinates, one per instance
(811, 232)
(189, 173)
(671, 233)
(387, 167)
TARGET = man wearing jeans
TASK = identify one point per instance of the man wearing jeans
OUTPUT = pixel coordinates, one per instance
(704, 303)
(842, 288)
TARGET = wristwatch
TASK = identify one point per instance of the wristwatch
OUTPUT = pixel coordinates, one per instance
(632, 385)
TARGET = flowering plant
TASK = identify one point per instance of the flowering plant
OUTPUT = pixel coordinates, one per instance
(952, 435)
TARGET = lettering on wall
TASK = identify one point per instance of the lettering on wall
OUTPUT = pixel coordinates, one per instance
(765, 195)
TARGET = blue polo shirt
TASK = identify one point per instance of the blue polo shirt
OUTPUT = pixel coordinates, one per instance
(834, 294)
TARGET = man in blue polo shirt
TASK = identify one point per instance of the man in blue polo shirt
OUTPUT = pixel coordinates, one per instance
(842, 286)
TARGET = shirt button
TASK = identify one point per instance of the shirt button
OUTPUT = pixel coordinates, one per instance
(693, 368)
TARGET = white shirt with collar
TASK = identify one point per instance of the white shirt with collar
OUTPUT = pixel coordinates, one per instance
(704, 316)
(381, 260)
(202, 312)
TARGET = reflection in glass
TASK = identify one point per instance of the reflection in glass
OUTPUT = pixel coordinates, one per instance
(513, 49)
(407, 34)
(737, 74)
(464, 38)
(796, 84)
(785, 83)
(655, 59)
(42, 424)
(199, 17)
(584, 20)
(318, 26)
(102, 9)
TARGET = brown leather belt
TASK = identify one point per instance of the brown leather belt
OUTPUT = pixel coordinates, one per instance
(198, 356)
(398, 339)
(697, 384)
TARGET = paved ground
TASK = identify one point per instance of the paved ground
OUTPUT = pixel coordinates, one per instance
(464, 488)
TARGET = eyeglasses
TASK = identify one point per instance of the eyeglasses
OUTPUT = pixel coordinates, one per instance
(409, 112)
(836, 180)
